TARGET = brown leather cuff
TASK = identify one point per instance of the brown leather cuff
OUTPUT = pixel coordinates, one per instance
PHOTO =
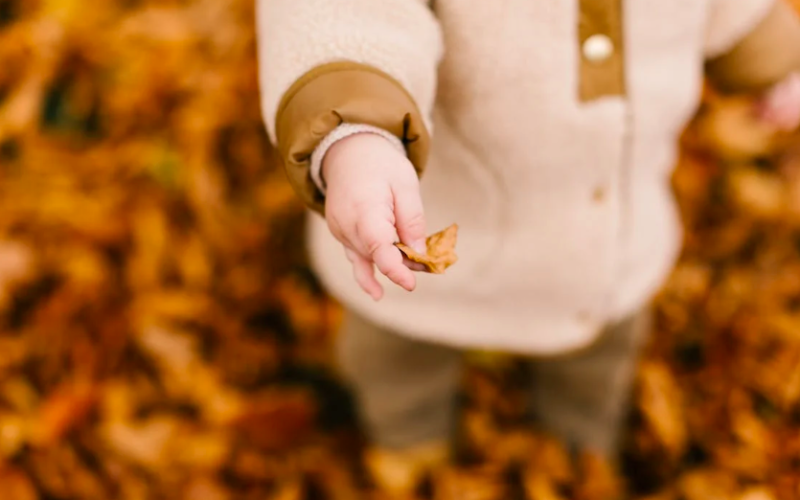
(343, 92)
(764, 57)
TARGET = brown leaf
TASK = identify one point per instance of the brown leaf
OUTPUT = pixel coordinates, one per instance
(731, 129)
(757, 493)
(707, 484)
(289, 490)
(277, 420)
(205, 488)
(539, 486)
(146, 443)
(15, 485)
(63, 411)
(661, 405)
(758, 194)
(14, 430)
(469, 484)
(440, 253)
(598, 481)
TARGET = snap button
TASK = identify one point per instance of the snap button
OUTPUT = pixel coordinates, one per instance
(599, 194)
(597, 48)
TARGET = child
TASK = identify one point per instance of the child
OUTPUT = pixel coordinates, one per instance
(547, 130)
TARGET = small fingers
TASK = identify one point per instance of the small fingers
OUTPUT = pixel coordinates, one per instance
(389, 261)
(364, 274)
(414, 266)
(410, 216)
(377, 236)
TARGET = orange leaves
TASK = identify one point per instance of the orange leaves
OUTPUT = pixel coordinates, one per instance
(158, 326)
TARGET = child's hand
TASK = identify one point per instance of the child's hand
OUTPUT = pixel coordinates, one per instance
(372, 198)
(780, 106)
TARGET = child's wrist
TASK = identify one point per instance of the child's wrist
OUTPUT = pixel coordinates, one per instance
(344, 132)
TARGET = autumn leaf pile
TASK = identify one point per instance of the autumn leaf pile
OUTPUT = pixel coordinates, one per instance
(162, 338)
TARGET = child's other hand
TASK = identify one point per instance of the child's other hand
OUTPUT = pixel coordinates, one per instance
(372, 198)
(780, 106)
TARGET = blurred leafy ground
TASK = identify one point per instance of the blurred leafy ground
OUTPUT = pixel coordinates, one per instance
(162, 338)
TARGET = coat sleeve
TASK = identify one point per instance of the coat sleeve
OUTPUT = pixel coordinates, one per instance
(751, 44)
(327, 62)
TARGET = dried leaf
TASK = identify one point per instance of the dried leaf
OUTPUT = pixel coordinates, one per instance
(730, 128)
(662, 406)
(289, 490)
(145, 443)
(480, 484)
(759, 194)
(277, 420)
(599, 481)
(16, 485)
(440, 252)
(707, 484)
(539, 486)
(14, 433)
(63, 411)
(757, 493)
(205, 488)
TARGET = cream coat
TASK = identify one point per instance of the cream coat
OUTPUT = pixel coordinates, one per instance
(565, 208)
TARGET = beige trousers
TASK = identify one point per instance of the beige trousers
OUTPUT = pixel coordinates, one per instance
(406, 388)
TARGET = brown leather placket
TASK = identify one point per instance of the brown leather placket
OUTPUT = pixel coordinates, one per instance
(606, 77)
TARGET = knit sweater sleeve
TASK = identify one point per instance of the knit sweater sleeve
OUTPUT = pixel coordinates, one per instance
(324, 63)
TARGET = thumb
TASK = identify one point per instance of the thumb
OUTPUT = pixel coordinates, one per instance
(410, 217)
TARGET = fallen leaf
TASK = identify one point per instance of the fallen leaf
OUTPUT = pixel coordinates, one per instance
(65, 409)
(662, 407)
(757, 493)
(15, 485)
(277, 420)
(205, 488)
(440, 252)
(598, 480)
(707, 484)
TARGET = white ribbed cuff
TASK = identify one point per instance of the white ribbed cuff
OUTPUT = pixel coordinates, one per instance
(337, 134)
